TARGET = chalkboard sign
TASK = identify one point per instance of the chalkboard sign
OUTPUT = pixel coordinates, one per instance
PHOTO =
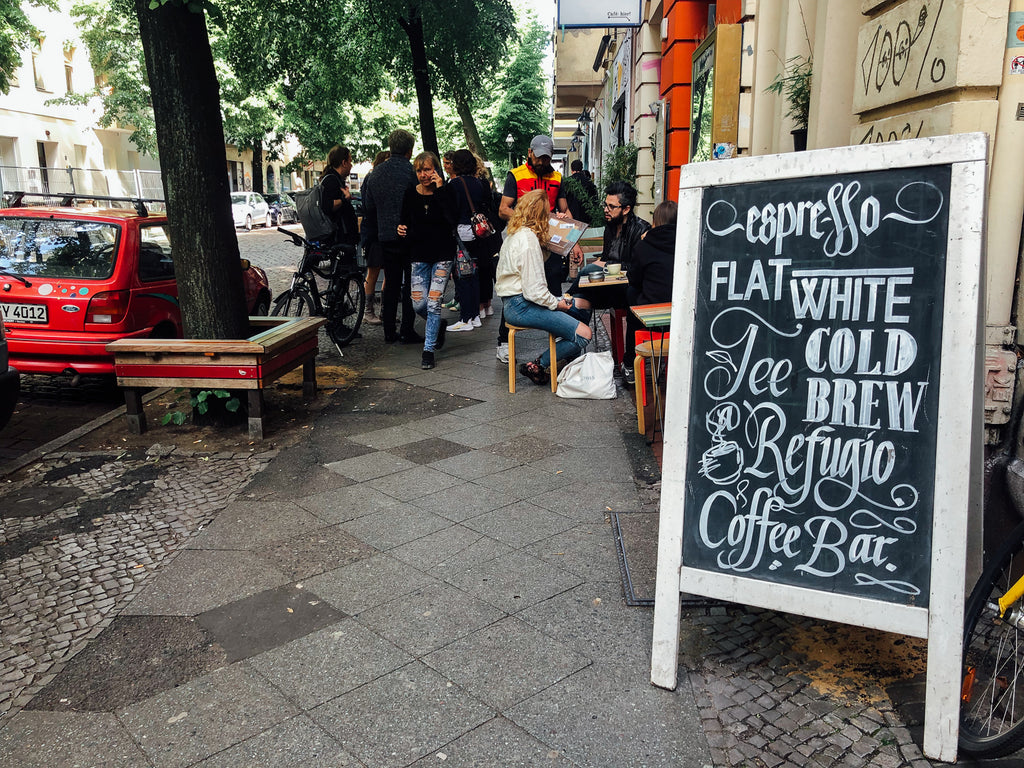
(814, 392)
(823, 403)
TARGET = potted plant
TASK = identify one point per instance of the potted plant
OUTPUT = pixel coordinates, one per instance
(794, 85)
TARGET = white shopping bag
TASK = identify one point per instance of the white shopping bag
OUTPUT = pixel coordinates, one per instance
(588, 376)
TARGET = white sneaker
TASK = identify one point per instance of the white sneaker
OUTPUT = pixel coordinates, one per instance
(460, 326)
(476, 321)
(502, 353)
(490, 311)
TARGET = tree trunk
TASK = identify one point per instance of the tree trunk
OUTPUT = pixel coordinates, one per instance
(469, 128)
(257, 166)
(413, 27)
(193, 160)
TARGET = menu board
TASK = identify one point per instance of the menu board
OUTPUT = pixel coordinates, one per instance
(814, 381)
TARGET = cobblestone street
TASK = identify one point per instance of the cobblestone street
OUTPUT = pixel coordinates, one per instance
(81, 532)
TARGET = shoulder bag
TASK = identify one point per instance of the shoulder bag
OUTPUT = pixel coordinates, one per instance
(481, 224)
(465, 264)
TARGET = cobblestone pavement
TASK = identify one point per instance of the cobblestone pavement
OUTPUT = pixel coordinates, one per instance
(80, 532)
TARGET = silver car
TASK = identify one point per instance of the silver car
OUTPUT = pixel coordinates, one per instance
(248, 209)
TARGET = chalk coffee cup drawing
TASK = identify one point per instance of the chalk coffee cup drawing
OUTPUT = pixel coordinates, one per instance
(722, 463)
(613, 269)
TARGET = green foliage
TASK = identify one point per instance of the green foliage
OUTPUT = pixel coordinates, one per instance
(794, 85)
(200, 402)
(523, 107)
(619, 165)
(593, 206)
(110, 32)
(16, 35)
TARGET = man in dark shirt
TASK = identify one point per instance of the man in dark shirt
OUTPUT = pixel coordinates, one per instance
(336, 199)
(580, 193)
(383, 192)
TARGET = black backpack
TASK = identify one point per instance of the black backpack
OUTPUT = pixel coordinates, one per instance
(316, 224)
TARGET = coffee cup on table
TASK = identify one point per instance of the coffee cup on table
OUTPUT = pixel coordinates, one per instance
(613, 269)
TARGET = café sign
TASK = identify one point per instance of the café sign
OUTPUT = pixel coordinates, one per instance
(600, 13)
(824, 380)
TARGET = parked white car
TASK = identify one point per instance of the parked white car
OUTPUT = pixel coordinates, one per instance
(248, 208)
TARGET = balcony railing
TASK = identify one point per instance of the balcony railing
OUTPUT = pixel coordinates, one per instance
(81, 182)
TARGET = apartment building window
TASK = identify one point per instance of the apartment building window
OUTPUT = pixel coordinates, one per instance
(37, 69)
(69, 69)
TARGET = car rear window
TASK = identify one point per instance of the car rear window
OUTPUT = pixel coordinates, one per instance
(55, 248)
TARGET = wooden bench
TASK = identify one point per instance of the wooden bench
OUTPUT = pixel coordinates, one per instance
(250, 364)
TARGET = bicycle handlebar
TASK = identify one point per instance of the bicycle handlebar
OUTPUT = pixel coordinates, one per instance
(329, 250)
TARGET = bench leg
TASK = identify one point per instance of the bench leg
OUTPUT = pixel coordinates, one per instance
(255, 414)
(133, 408)
(309, 379)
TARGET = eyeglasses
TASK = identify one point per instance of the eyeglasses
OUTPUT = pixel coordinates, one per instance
(611, 207)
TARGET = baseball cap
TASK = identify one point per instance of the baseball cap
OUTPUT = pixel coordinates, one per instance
(542, 145)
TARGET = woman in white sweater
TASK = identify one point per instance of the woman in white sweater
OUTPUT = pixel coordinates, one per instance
(526, 300)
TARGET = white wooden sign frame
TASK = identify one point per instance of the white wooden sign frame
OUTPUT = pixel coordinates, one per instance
(957, 485)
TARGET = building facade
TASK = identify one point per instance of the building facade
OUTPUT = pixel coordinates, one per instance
(880, 70)
(57, 148)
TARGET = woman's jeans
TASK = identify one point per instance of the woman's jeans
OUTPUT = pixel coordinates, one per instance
(519, 311)
(428, 282)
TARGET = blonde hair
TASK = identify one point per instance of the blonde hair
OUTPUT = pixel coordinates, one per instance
(422, 158)
(531, 212)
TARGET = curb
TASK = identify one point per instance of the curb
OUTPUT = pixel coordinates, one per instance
(58, 443)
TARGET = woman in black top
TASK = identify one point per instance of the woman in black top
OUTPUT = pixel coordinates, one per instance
(468, 196)
(428, 230)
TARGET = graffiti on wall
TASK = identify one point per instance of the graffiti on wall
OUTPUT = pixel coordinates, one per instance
(907, 51)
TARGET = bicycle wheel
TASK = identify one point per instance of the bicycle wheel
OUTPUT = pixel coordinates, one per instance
(345, 309)
(293, 303)
(992, 695)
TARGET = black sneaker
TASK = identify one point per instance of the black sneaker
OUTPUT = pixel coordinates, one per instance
(628, 377)
(428, 361)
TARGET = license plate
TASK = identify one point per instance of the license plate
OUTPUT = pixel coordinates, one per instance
(24, 313)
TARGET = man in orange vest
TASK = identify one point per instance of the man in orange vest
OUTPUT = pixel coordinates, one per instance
(536, 173)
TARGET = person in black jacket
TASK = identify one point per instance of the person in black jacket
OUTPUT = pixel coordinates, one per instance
(650, 273)
(336, 199)
(580, 193)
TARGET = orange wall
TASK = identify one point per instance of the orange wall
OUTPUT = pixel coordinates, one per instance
(687, 27)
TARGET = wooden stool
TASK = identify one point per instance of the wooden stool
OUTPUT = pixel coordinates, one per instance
(512, 329)
(648, 350)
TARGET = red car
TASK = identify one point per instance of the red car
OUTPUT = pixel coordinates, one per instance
(72, 281)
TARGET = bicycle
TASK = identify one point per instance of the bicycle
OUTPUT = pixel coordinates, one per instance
(992, 692)
(342, 301)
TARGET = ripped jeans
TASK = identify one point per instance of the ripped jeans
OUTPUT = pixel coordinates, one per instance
(522, 312)
(428, 284)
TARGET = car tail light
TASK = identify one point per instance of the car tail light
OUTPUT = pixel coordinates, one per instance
(107, 308)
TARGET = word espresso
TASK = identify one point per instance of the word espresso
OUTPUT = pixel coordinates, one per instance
(814, 367)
